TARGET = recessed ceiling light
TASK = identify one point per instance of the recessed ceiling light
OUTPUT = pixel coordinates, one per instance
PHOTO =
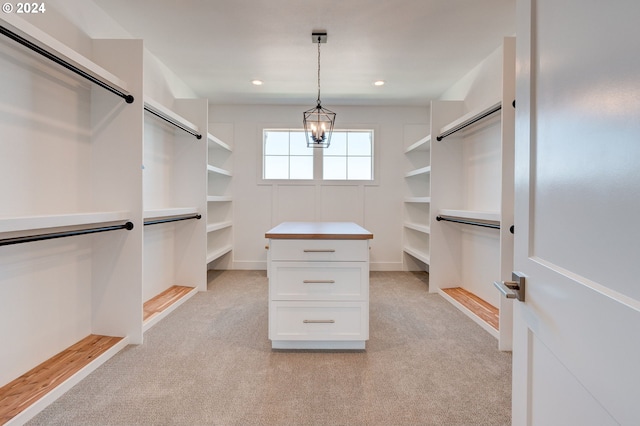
(257, 82)
(378, 83)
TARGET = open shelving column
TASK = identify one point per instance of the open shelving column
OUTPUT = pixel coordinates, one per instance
(417, 201)
(175, 202)
(472, 192)
(219, 200)
(72, 302)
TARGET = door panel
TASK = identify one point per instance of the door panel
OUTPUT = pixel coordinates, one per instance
(577, 201)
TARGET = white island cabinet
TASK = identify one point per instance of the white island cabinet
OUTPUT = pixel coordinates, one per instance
(318, 285)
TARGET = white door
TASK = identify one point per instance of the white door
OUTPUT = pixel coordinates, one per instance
(576, 351)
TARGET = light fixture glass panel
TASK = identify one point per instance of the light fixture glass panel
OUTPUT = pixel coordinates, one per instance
(360, 143)
(276, 167)
(359, 168)
(338, 144)
(301, 167)
(334, 168)
(276, 143)
(299, 144)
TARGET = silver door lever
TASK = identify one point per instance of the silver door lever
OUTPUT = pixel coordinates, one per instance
(512, 289)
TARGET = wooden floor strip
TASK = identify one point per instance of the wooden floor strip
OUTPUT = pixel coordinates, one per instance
(484, 310)
(18, 395)
(163, 300)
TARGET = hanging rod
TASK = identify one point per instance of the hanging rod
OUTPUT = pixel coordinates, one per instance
(487, 112)
(468, 222)
(23, 41)
(172, 121)
(31, 238)
(171, 219)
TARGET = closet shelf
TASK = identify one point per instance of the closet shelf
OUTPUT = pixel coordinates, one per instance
(423, 144)
(469, 119)
(38, 387)
(218, 170)
(62, 54)
(218, 198)
(418, 172)
(166, 114)
(218, 226)
(420, 255)
(169, 212)
(211, 256)
(161, 305)
(27, 223)
(480, 311)
(417, 227)
(217, 142)
(488, 216)
(417, 200)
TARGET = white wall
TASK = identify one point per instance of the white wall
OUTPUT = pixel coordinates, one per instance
(258, 207)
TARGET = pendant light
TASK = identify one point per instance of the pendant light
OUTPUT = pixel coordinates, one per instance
(318, 121)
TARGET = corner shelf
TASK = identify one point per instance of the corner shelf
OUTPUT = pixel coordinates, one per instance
(420, 255)
(418, 172)
(423, 200)
(417, 227)
(218, 170)
(214, 141)
(423, 144)
(217, 226)
(213, 255)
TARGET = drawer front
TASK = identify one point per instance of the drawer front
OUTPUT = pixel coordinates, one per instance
(319, 321)
(320, 250)
(319, 281)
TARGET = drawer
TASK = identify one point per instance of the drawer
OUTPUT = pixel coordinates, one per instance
(319, 281)
(319, 250)
(319, 321)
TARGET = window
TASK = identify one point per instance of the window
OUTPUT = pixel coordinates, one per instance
(286, 155)
(348, 158)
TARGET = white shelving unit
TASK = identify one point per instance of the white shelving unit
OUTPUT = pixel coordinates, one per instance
(219, 199)
(417, 204)
(174, 201)
(472, 194)
(69, 160)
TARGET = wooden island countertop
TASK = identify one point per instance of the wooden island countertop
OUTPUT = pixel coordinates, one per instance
(319, 231)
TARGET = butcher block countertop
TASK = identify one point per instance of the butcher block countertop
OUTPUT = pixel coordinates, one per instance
(319, 231)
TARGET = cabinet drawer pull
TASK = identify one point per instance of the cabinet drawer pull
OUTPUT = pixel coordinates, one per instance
(318, 321)
(319, 250)
(319, 281)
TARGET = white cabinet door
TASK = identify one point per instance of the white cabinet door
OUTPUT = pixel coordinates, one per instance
(576, 349)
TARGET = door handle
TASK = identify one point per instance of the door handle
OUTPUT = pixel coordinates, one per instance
(512, 289)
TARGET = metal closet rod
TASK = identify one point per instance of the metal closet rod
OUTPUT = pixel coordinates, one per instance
(171, 219)
(468, 222)
(31, 238)
(469, 122)
(173, 122)
(23, 41)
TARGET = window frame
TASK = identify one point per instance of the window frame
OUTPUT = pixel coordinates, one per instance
(318, 161)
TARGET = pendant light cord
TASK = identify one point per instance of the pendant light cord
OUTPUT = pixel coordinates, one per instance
(319, 70)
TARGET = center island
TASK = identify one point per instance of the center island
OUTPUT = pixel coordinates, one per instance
(318, 285)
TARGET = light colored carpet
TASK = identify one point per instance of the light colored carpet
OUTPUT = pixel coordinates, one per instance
(210, 363)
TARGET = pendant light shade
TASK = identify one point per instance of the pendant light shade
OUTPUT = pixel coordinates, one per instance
(318, 121)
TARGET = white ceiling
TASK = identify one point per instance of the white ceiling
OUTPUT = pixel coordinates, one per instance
(419, 47)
